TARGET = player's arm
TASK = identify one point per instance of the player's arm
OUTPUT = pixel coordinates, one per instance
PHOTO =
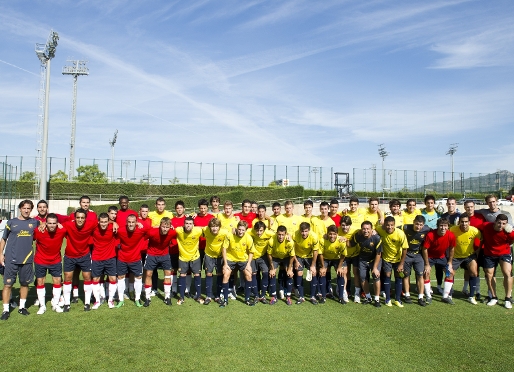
(424, 253)
(271, 267)
(322, 269)
(289, 269)
(314, 260)
(340, 270)
(402, 261)
(451, 252)
(376, 273)
(2, 247)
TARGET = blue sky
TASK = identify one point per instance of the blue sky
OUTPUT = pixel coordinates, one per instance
(273, 82)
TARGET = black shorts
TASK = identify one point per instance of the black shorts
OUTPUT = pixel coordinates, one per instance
(24, 272)
(195, 266)
(154, 262)
(123, 268)
(261, 265)
(388, 267)
(365, 268)
(352, 261)
(327, 264)
(174, 261)
(463, 262)
(240, 265)
(55, 270)
(281, 262)
(83, 263)
(304, 263)
(414, 261)
(441, 262)
(99, 268)
(210, 263)
(491, 262)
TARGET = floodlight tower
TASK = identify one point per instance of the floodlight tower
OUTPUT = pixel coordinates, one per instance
(77, 68)
(383, 154)
(45, 53)
(451, 151)
(112, 143)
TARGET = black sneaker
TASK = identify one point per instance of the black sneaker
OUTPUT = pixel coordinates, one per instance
(23, 311)
(75, 300)
(314, 301)
(376, 303)
(187, 295)
(250, 302)
(66, 309)
(322, 300)
(167, 302)
(421, 302)
(263, 300)
(342, 301)
(5, 315)
(478, 297)
(207, 301)
(223, 304)
(407, 300)
(147, 302)
(330, 295)
(87, 307)
(447, 300)
(367, 301)
(300, 301)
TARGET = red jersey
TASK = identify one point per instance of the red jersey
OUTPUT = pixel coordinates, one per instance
(436, 245)
(147, 223)
(90, 216)
(159, 245)
(104, 244)
(176, 222)
(77, 240)
(202, 221)
(477, 220)
(336, 219)
(121, 217)
(248, 218)
(48, 246)
(129, 243)
(496, 243)
(61, 218)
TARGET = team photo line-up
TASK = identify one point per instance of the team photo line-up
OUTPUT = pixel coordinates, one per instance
(119, 253)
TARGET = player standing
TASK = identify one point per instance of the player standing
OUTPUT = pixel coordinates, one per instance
(306, 255)
(281, 254)
(216, 239)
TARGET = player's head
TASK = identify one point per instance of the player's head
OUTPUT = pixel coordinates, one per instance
(85, 202)
(259, 228)
(307, 207)
(373, 204)
(464, 222)
(103, 221)
(214, 225)
(332, 233)
(366, 229)
(389, 224)
(429, 201)
(451, 204)
(51, 222)
(131, 222)
(241, 228)
(112, 212)
(25, 206)
(255, 206)
(165, 225)
(442, 226)
(346, 224)
(289, 208)
(491, 202)
(411, 205)
(276, 208)
(189, 223)
(394, 206)
(323, 208)
(228, 207)
(261, 211)
(180, 208)
(334, 207)
(214, 201)
(80, 217)
(246, 206)
(418, 223)
(353, 204)
(203, 207)
(143, 211)
(305, 228)
(500, 222)
(281, 233)
(160, 204)
(469, 207)
(123, 201)
(42, 208)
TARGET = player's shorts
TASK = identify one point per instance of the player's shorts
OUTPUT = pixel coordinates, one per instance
(101, 267)
(414, 261)
(195, 266)
(261, 265)
(388, 267)
(351, 261)
(240, 265)
(154, 262)
(123, 268)
(366, 267)
(304, 263)
(55, 270)
(491, 262)
(327, 264)
(83, 263)
(174, 261)
(279, 263)
(441, 262)
(25, 272)
(210, 263)
(463, 262)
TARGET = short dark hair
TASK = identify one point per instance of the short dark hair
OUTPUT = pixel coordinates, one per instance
(160, 199)
(305, 226)
(83, 197)
(443, 221)
(123, 197)
(259, 225)
(324, 204)
(347, 220)
(389, 219)
(353, 199)
(53, 216)
(281, 228)
(80, 211)
(332, 228)
(26, 201)
(261, 206)
(203, 202)
(214, 198)
(394, 202)
(420, 218)
(429, 197)
(103, 215)
(501, 217)
(276, 204)
(366, 223)
(373, 198)
(42, 201)
(179, 202)
(189, 218)
(334, 201)
(308, 202)
(144, 206)
(112, 208)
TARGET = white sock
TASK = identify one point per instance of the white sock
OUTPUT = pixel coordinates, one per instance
(75, 292)
(138, 287)
(466, 285)
(6, 307)
(148, 291)
(377, 298)
(88, 290)
(56, 294)
(420, 295)
(427, 290)
(66, 291)
(188, 283)
(112, 290)
(101, 290)
(167, 288)
(174, 282)
(41, 293)
(22, 302)
(121, 288)
(96, 291)
(447, 288)
(357, 292)
(407, 294)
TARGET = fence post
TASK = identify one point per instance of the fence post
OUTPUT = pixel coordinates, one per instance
(226, 174)
(251, 174)
(200, 173)
(238, 174)
(213, 174)
(263, 175)
(187, 174)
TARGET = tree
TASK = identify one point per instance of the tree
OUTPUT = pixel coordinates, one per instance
(175, 181)
(59, 176)
(28, 176)
(90, 173)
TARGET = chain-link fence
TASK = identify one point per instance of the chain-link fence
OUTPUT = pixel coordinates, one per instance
(8, 175)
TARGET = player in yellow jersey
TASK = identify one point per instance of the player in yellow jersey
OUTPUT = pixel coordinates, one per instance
(261, 237)
(394, 251)
(306, 246)
(395, 212)
(238, 256)
(319, 225)
(410, 212)
(214, 201)
(188, 239)
(355, 213)
(160, 212)
(288, 219)
(373, 213)
(308, 208)
(263, 217)
(331, 254)
(216, 239)
(281, 254)
(227, 218)
(351, 261)
(466, 238)
(276, 210)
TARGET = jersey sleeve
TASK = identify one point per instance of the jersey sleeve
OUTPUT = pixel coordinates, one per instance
(7, 230)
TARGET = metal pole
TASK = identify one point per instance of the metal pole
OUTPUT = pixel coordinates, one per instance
(44, 149)
(73, 126)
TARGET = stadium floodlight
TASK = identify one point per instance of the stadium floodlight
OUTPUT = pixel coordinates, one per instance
(451, 151)
(45, 52)
(112, 143)
(383, 154)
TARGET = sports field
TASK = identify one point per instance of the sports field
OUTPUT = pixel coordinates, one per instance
(303, 337)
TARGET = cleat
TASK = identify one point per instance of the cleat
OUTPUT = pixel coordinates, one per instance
(96, 305)
(223, 304)
(23, 311)
(447, 300)
(250, 302)
(288, 301)
(42, 310)
(263, 300)
(5, 315)
(87, 307)
(357, 299)
(493, 301)
(36, 303)
(314, 301)
(57, 309)
(472, 300)
(342, 301)
(465, 293)
(66, 309)
(180, 301)
(376, 303)
(199, 299)
(217, 300)
(167, 302)
(207, 301)
(397, 303)
(322, 300)
(407, 300)
(421, 302)
(132, 295)
(330, 295)
(508, 303)
(281, 294)
(273, 301)
(345, 297)
(188, 295)
(231, 296)
(147, 302)
(138, 303)
(429, 301)
(367, 301)
(75, 300)
(389, 304)
(120, 304)
(440, 290)
(300, 301)
(111, 304)
(61, 301)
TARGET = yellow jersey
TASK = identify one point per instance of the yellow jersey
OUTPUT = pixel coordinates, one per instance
(357, 218)
(261, 242)
(408, 218)
(371, 217)
(188, 243)
(464, 241)
(156, 217)
(266, 222)
(392, 244)
(304, 248)
(227, 223)
(350, 251)
(280, 250)
(332, 251)
(292, 223)
(239, 248)
(319, 226)
(214, 244)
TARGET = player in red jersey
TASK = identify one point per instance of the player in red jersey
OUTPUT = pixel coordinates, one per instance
(177, 221)
(78, 255)
(246, 214)
(124, 211)
(103, 260)
(48, 259)
(42, 213)
(202, 220)
(146, 222)
(129, 258)
(497, 238)
(437, 243)
(159, 256)
(334, 212)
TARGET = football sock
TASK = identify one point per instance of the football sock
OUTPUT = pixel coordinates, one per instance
(148, 291)
(340, 285)
(187, 287)
(88, 290)
(41, 292)
(208, 285)
(387, 288)
(22, 302)
(112, 289)
(448, 283)
(264, 284)
(314, 286)
(198, 286)
(289, 286)
(255, 289)
(273, 286)
(96, 291)
(167, 287)
(323, 286)
(427, 288)
(121, 288)
(219, 285)
(66, 291)
(472, 285)
(75, 291)
(299, 285)
(398, 283)
(138, 287)
(56, 293)
(248, 289)
(182, 286)
(466, 284)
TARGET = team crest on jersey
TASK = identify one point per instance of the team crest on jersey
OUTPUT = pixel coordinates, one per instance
(422, 236)
(371, 244)
(31, 225)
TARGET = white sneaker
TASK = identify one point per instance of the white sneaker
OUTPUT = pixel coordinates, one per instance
(111, 304)
(492, 302)
(57, 309)
(36, 303)
(281, 294)
(96, 305)
(508, 304)
(42, 310)
(345, 296)
(357, 299)
(472, 300)
(231, 296)
(61, 301)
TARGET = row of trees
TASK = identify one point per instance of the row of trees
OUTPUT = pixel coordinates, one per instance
(85, 173)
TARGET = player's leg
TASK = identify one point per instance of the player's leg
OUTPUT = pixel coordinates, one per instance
(341, 275)
(41, 271)
(174, 273)
(96, 274)
(322, 281)
(227, 273)
(387, 268)
(137, 269)
(247, 275)
(196, 269)
(472, 271)
(299, 281)
(264, 269)
(26, 276)
(439, 274)
(75, 283)
(209, 263)
(122, 270)
(506, 266)
(182, 269)
(398, 284)
(85, 267)
(314, 283)
(357, 286)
